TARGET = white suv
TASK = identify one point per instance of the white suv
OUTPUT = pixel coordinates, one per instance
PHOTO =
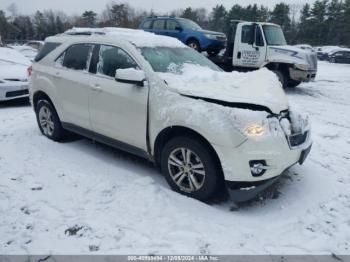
(155, 97)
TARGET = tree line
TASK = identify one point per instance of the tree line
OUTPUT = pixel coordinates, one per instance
(325, 22)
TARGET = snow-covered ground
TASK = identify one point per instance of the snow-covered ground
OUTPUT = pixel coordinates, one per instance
(79, 197)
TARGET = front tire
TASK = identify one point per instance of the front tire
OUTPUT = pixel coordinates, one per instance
(48, 120)
(190, 169)
(293, 83)
(281, 77)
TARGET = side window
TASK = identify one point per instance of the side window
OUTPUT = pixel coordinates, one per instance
(147, 24)
(247, 34)
(259, 37)
(112, 58)
(76, 57)
(159, 24)
(171, 24)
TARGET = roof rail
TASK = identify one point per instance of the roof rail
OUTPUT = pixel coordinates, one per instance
(237, 21)
(85, 33)
(161, 16)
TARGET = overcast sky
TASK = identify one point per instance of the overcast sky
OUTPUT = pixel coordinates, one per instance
(78, 6)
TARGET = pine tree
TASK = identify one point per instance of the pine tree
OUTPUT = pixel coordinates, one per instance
(89, 18)
(189, 13)
(305, 25)
(217, 20)
(280, 15)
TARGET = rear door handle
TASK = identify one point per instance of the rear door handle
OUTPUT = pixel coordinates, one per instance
(57, 75)
(96, 87)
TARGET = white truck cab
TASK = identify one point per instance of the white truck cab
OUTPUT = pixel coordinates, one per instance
(254, 45)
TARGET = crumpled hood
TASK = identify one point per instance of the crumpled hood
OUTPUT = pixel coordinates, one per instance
(260, 87)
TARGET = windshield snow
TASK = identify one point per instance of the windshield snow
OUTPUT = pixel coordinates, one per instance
(172, 60)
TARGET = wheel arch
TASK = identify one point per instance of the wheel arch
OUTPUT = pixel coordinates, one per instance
(40, 95)
(193, 38)
(284, 67)
(176, 131)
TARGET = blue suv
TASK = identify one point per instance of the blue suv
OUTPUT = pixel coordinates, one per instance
(187, 32)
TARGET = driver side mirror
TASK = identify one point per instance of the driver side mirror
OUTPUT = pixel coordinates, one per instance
(130, 76)
(178, 28)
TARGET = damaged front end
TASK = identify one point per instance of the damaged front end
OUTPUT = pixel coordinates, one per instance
(285, 142)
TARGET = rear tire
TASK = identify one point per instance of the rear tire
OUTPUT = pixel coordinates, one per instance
(190, 169)
(194, 44)
(48, 120)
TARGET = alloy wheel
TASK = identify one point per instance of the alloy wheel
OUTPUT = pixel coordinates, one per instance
(46, 121)
(186, 169)
(193, 45)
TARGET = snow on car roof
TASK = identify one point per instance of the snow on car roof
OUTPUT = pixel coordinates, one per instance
(139, 38)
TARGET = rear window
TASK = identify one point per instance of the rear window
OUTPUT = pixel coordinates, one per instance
(45, 50)
(159, 24)
(77, 56)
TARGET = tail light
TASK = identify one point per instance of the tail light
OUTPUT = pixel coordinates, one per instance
(29, 71)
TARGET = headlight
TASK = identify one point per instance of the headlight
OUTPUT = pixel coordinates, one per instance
(210, 36)
(302, 66)
(254, 130)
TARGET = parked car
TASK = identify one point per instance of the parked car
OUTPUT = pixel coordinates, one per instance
(159, 99)
(340, 57)
(306, 47)
(13, 74)
(25, 50)
(35, 44)
(324, 51)
(187, 32)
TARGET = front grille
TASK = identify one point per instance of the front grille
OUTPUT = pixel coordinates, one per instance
(312, 60)
(297, 139)
(17, 93)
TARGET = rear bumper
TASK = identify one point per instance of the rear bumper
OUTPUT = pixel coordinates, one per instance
(301, 75)
(13, 90)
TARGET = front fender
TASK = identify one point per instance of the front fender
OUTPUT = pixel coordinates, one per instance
(209, 120)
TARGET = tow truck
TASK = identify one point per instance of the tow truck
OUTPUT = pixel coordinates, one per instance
(254, 45)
